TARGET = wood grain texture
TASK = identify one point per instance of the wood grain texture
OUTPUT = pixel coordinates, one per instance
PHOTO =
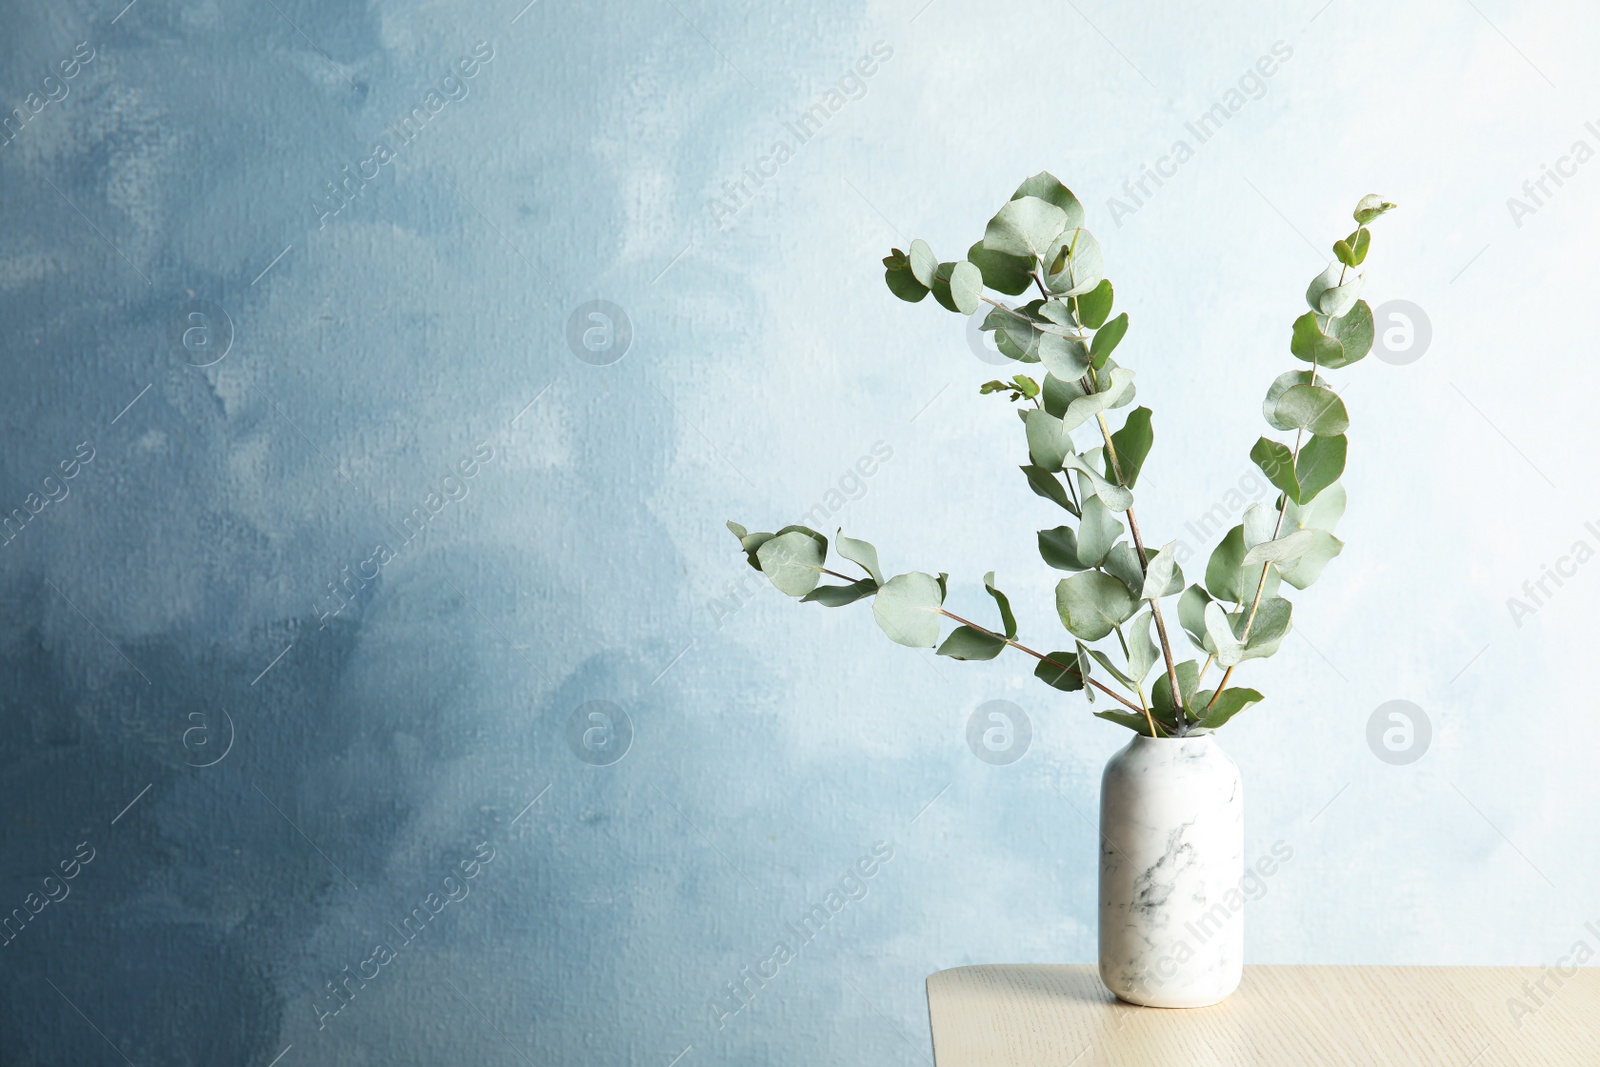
(1019, 1015)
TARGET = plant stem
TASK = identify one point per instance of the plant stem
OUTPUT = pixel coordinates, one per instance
(1112, 693)
(1144, 567)
(1277, 528)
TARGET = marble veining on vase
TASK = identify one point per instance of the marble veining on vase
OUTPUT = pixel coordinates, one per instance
(1171, 850)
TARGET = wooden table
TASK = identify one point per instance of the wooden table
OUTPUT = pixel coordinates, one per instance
(1018, 1015)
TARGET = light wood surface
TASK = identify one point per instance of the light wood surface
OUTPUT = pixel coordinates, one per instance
(1019, 1015)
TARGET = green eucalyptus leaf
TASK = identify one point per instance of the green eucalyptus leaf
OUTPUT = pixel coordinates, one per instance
(1059, 548)
(1085, 664)
(1048, 486)
(1092, 604)
(1223, 568)
(1328, 295)
(1107, 338)
(923, 262)
(749, 542)
(1008, 621)
(907, 609)
(860, 553)
(1230, 703)
(792, 561)
(1114, 497)
(837, 596)
(1260, 524)
(1370, 207)
(1142, 651)
(1049, 444)
(1354, 332)
(904, 284)
(1359, 242)
(1159, 572)
(1132, 444)
(1017, 331)
(1116, 392)
(1137, 723)
(1221, 635)
(1057, 394)
(941, 287)
(1282, 384)
(966, 643)
(1094, 307)
(1299, 555)
(1267, 632)
(1058, 313)
(1192, 616)
(1174, 584)
(966, 287)
(1320, 464)
(1004, 273)
(1059, 671)
(1322, 513)
(1226, 576)
(1098, 530)
(1065, 357)
(1121, 563)
(1311, 407)
(1026, 226)
(1309, 343)
(1161, 699)
(1045, 186)
(1277, 462)
(1073, 263)
(1116, 672)
(1344, 253)
(1292, 547)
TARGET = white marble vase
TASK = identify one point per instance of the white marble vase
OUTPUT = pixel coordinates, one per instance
(1171, 868)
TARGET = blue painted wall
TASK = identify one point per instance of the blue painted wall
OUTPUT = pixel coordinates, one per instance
(326, 541)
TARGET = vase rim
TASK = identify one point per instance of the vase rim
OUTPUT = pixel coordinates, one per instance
(1193, 735)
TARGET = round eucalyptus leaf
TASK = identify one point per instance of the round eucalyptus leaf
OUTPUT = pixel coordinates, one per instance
(1011, 275)
(904, 284)
(1059, 549)
(791, 561)
(966, 287)
(1311, 407)
(1192, 617)
(923, 262)
(1322, 513)
(1026, 226)
(1354, 332)
(1065, 357)
(1308, 342)
(907, 609)
(1268, 629)
(1074, 264)
(1370, 207)
(1046, 186)
(1280, 385)
(1341, 298)
(1218, 629)
(1092, 604)
(1094, 307)
(1048, 441)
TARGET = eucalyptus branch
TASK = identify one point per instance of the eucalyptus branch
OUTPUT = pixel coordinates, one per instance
(1074, 344)
(1144, 568)
(1040, 656)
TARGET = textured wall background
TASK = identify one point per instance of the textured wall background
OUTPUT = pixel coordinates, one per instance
(173, 605)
